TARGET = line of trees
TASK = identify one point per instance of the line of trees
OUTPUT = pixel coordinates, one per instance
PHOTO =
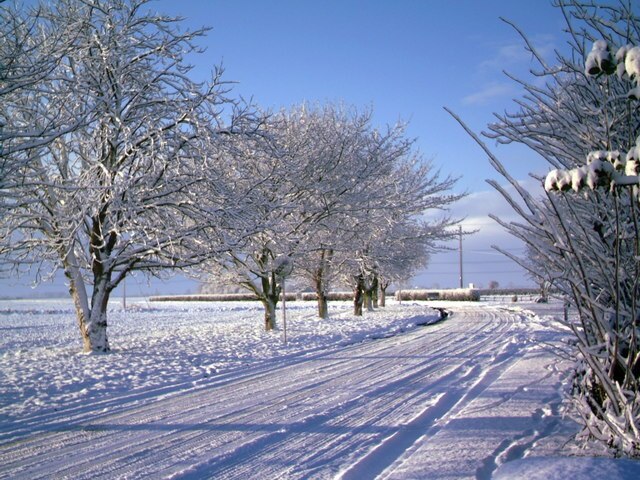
(582, 228)
(339, 201)
(114, 160)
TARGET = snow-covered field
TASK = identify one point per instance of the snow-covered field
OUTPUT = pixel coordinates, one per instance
(160, 344)
(199, 390)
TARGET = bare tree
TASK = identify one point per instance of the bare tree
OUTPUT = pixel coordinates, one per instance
(344, 176)
(275, 171)
(407, 249)
(394, 226)
(134, 185)
(376, 187)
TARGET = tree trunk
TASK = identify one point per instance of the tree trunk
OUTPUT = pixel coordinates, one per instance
(323, 306)
(92, 323)
(383, 294)
(97, 326)
(370, 293)
(358, 296)
(271, 292)
(374, 291)
(320, 282)
(269, 314)
(82, 316)
(320, 293)
(92, 320)
(368, 302)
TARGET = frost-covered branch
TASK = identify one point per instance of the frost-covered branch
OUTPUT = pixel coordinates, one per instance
(111, 153)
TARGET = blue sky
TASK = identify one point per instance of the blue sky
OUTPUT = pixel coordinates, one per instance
(406, 59)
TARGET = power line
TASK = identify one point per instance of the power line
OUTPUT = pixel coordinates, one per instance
(479, 272)
(484, 250)
(475, 262)
(493, 250)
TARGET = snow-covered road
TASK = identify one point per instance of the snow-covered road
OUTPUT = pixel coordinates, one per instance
(451, 400)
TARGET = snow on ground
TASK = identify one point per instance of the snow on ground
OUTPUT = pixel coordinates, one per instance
(162, 343)
(573, 468)
(199, 390)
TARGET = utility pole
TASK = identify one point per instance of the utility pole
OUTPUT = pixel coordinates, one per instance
(124, 294)
(460, 249)
(1, 127)
(284, 310)
(284, 267)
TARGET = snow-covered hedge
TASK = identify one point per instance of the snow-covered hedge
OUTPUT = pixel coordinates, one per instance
(213, 297)
(331, 296)
(456, 294)
(243, 297)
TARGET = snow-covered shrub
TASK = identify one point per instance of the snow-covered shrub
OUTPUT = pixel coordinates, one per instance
(609, 169)
(582, 231)
(606, 385)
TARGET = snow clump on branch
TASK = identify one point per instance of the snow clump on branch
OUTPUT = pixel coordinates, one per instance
(631, 58)
(605, 168)
(599, 60)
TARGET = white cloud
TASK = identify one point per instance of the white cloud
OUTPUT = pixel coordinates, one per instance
(506, 55)
(515, 55)
(482, 264)
(489, 92)
(480, 204)
(514, 58)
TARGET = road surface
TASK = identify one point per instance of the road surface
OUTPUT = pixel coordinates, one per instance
(452, 400)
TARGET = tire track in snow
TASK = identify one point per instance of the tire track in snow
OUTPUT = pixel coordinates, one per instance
(360, 413)
(312, 417)
(456, 394)
(99, 427)
(111, 449)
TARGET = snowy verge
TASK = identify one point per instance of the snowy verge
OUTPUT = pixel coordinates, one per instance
(574, 468)
(157, 347)
(577, 464)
